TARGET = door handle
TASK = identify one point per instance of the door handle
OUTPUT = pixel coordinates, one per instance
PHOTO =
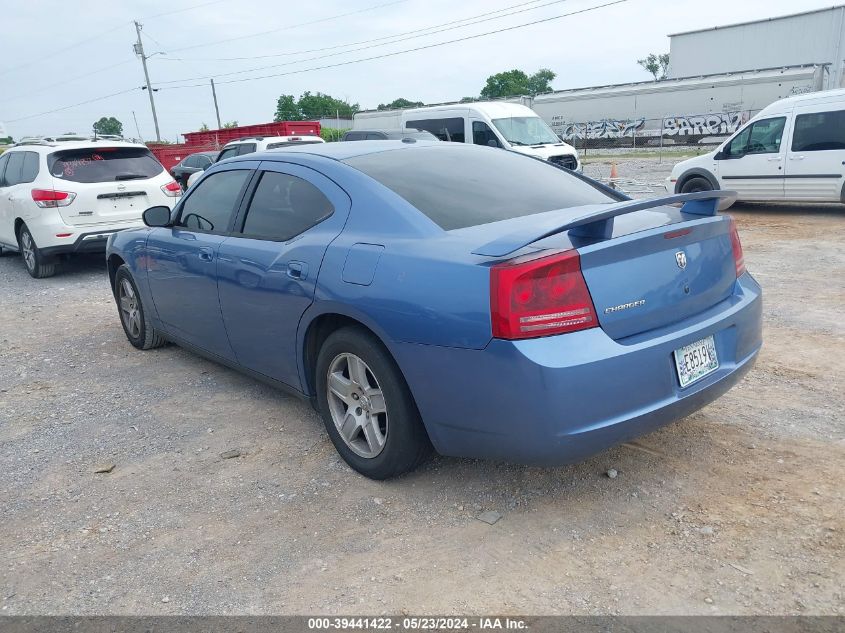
(297, 270)
(206, 254)
(796, 158)
(775, 158)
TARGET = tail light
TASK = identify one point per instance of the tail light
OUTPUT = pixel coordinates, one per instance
(172, 189)
(50, 198)
(540, 296)
(739, 258)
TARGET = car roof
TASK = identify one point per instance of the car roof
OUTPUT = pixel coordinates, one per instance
(272, 139)
(46, 147)
(342, 150)
(211, 152)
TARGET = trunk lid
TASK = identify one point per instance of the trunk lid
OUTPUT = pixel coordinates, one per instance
(644, 281)
(112, 184)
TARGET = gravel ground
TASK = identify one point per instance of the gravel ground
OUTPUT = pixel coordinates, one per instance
(737, 509)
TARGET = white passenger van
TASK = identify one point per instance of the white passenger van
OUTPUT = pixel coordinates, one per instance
(498, 124)
(793, 150)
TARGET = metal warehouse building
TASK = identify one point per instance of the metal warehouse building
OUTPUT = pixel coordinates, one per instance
(812, 37)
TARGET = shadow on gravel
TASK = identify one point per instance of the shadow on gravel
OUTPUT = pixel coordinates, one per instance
(782, 208)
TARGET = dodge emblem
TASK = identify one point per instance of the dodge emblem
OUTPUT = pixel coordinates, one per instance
(681, 259)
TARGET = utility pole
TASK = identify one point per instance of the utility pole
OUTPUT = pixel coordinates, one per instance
(137, 127)
(216, 109)
(139, 50)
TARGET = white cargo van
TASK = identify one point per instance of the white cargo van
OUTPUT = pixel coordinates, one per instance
(793, 150)
(498, 124)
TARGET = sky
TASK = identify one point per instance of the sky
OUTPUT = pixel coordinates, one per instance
(59, 54)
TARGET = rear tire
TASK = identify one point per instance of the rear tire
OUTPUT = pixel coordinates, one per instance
(37, 265)
(696, 184)
(369, 401)
(133, 317)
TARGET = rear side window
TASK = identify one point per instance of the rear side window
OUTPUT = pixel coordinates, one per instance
(284, 206)
(445, 129)
(4, 158)
(354, 136)
(465, 186)
(104, 164)
(210, 206)
(246, 148)
(819, 131)
(22, 167)
(190, 161)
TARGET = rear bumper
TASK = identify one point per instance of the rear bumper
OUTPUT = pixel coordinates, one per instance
(89, 242)
(562, 398)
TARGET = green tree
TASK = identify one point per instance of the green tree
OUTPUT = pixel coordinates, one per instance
(230, 124)
(287, 109)
(512, 83)
(204, 127)
(108, 125)
(322, 105)
(541, 81)
(657, 65)
(399, 103)
(468, 99)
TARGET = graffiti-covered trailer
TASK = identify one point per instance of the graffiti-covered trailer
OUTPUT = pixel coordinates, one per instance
(681, 111)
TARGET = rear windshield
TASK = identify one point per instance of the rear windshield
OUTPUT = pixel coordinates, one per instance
(104, 164)
(464, 185)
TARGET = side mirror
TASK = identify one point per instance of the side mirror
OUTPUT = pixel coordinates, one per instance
(157, 216)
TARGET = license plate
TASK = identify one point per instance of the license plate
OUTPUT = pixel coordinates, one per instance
(696, 360)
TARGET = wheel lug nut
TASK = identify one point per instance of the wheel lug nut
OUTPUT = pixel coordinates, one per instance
(358, 411)
(355, 396)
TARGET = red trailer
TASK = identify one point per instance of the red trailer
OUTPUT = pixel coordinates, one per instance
(168, 155)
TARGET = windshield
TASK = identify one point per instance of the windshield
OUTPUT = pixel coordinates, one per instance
(525, 130)
(104, 164)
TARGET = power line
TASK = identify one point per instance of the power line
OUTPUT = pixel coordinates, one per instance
(65, 81)
(291, 26)
(409, 50)
(32, 116)
(195, 6)
(329, 48)
(362, 48)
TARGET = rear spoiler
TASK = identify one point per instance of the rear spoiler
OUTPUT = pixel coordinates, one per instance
(597, 221)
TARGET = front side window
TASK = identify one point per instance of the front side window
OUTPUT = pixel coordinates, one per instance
(761, 137)
(819, 131)
(203, 162)
(209, 207)
(190, 161)
(104, 164)
(284, 206)
(483, 135)
(451, 129)
(525, 130)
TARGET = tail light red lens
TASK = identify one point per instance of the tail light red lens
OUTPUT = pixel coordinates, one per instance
(172, 189)
(50, 198)
(739, 258)
(540, 296)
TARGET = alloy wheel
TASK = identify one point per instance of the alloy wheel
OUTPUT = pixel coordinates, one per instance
(357, 405)
(28, 249)
(129, 308)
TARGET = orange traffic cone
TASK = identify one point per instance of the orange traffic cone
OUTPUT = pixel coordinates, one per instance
(613, 172)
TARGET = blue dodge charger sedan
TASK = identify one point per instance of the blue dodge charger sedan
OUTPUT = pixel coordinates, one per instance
(424, 295)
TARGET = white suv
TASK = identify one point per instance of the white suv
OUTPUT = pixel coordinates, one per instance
(252, 144)
(67, 197)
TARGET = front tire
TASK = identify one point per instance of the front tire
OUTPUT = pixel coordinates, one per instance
(133, 317)
(696, 184)
(367, 407)
(37, 265)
